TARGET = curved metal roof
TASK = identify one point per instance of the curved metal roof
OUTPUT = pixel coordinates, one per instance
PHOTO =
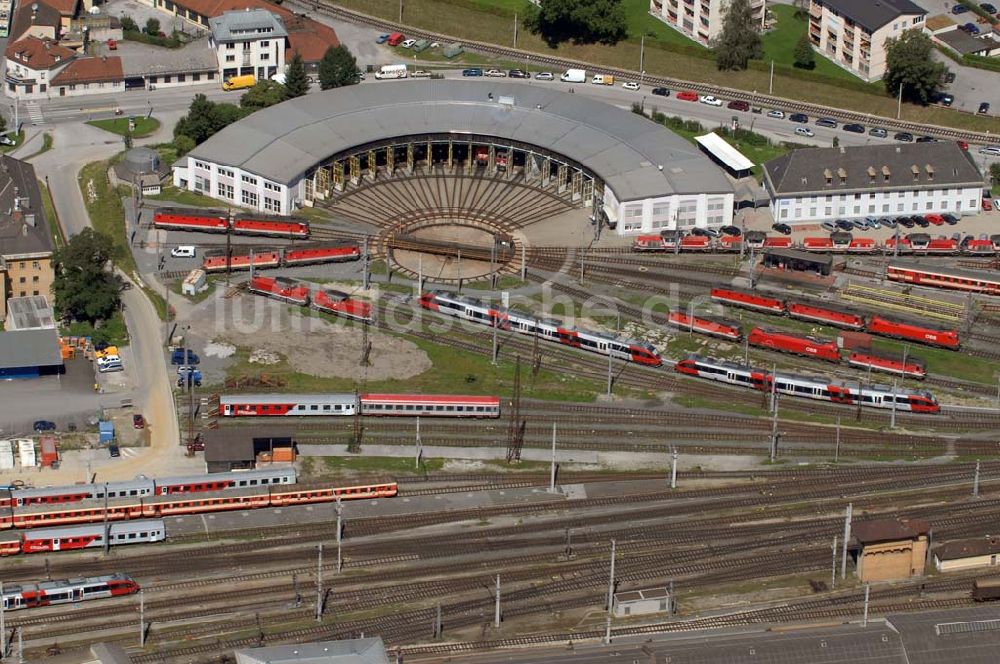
(636, 157)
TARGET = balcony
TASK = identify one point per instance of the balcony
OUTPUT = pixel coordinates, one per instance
(815, 11)
(14, 79)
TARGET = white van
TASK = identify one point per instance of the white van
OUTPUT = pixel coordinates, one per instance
(391, 71)
(183, 251)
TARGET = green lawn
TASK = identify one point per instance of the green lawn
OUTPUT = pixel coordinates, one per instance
(172, 194)
(105, 209)
(143, 126)
(394, 465)
(112, 331)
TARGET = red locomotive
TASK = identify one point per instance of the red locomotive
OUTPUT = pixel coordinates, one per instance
(826, 315)
(306, 255)
(341, 304)
(913, 332)
(715, 327)
(280, 288)
(263, 258)
(216, 261)
(217, 221)
(910, 366)
(791, 343)
(748, 299)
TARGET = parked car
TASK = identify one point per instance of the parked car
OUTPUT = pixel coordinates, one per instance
(935, 219)
(737, 105)
(661, 92)
(495, 73)
(905, 222)
(878, 132)
(920, 221)
(518, 73)
(101, 345)
(844, 225)
(859, 224)
(44, 425)
(886, 222)
(854, 128)
(713, 232)
(382, 38)
(7, 140)
(990, 151)
(871, 223)
(996, 203)
(731, 230)
(971, 28)
(183, 356)
(959, 9)
(828, 226)
(949, 219)
(984, 108)
(779, 227)
(114, 450)
(827, 122)
(926, 139)
(943, 98)
(987, 205)
(805, 131)
(544, 76)
(630, 85)
(985, 6)
(963, 145)
(420, 73)
(699, 232)
(408, 43)
(775, 113)
(904, 136)
(687, 95)
(799, 117)
(472, 71)
(710, 100)
(138, 421)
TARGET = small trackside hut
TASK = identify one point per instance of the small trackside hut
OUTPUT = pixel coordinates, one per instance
(888, 549)
(800, 261)
(237, 449)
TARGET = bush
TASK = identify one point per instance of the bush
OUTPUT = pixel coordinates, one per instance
(129, 24)
(183, 144)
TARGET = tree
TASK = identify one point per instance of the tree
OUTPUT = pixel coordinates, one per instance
(805, 58)
(206, 117)
(337, 68)
(265, 93)
(909, 66)
(580, 21)
(152, 27)
(129, 24)
(85, 289)
(995, 173)
(739, 41)
(183, 144)
(801, 8)
(296, 81)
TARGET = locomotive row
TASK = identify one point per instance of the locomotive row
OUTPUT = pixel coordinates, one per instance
(326, 300)
(836, 243)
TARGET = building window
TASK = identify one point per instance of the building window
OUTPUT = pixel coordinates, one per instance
(265, 56)
(230, 46)
(225, 172)
(200, 183)
(225, 190)
(230, 58)
(272, 204)
(249, 179)
(201, 164)
(265, 44)
(249, 198)
(36, 265)
(22, 280)
(972, 204)
(930, 205)
(273, 187)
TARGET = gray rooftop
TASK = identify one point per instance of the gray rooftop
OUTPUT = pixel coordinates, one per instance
(624, 149)
(965, 43)
(873, 14)
(349, 651)
(29, 348)
(248, 24)
(29, 313)
(808, 170)
(23, 231)
(140, 59)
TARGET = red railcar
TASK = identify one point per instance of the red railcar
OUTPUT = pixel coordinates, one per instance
(894, 364)
(904, 246)
(780, 242)
(298, 494)
(913, 332)
(346, 251)
(978, 248)
(939, 245)
(341, 304)
(280, 288)
(715, 327)
(270, 226)
(262, 259)
(792, 343)
(750, 300)
(862, 245)
(817, 244)
(826, 315)
(191, 219)
(730, 243)
(648, 243)
(696, 243)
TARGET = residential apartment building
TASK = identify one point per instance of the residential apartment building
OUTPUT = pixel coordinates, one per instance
(31, 64)
(852, 33)
(249, 42)
(700, 20)
(25, 240)
(821, 184)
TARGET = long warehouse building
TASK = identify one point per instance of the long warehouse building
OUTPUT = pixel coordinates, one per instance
(639, 175)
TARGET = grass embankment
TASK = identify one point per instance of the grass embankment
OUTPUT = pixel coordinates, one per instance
(143, 126)
(104, 207)
(52, 216)
(393, 465)
(666, 53)
(172, 194)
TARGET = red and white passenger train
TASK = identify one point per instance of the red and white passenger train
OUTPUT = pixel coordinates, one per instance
(263, 258)
(218, 221)
(86, 536)
(545, 329)
(969, 281)
(880, 325)
(283, 405)
(68, 591)
(328, 301)
(809, 387)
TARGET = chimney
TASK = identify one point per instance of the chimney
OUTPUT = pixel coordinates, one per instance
(916, 172)
(828, 175)
(871, 175)
(842, 174)
(930, 172)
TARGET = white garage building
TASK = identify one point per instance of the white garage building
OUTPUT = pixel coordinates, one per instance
(640, 175)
